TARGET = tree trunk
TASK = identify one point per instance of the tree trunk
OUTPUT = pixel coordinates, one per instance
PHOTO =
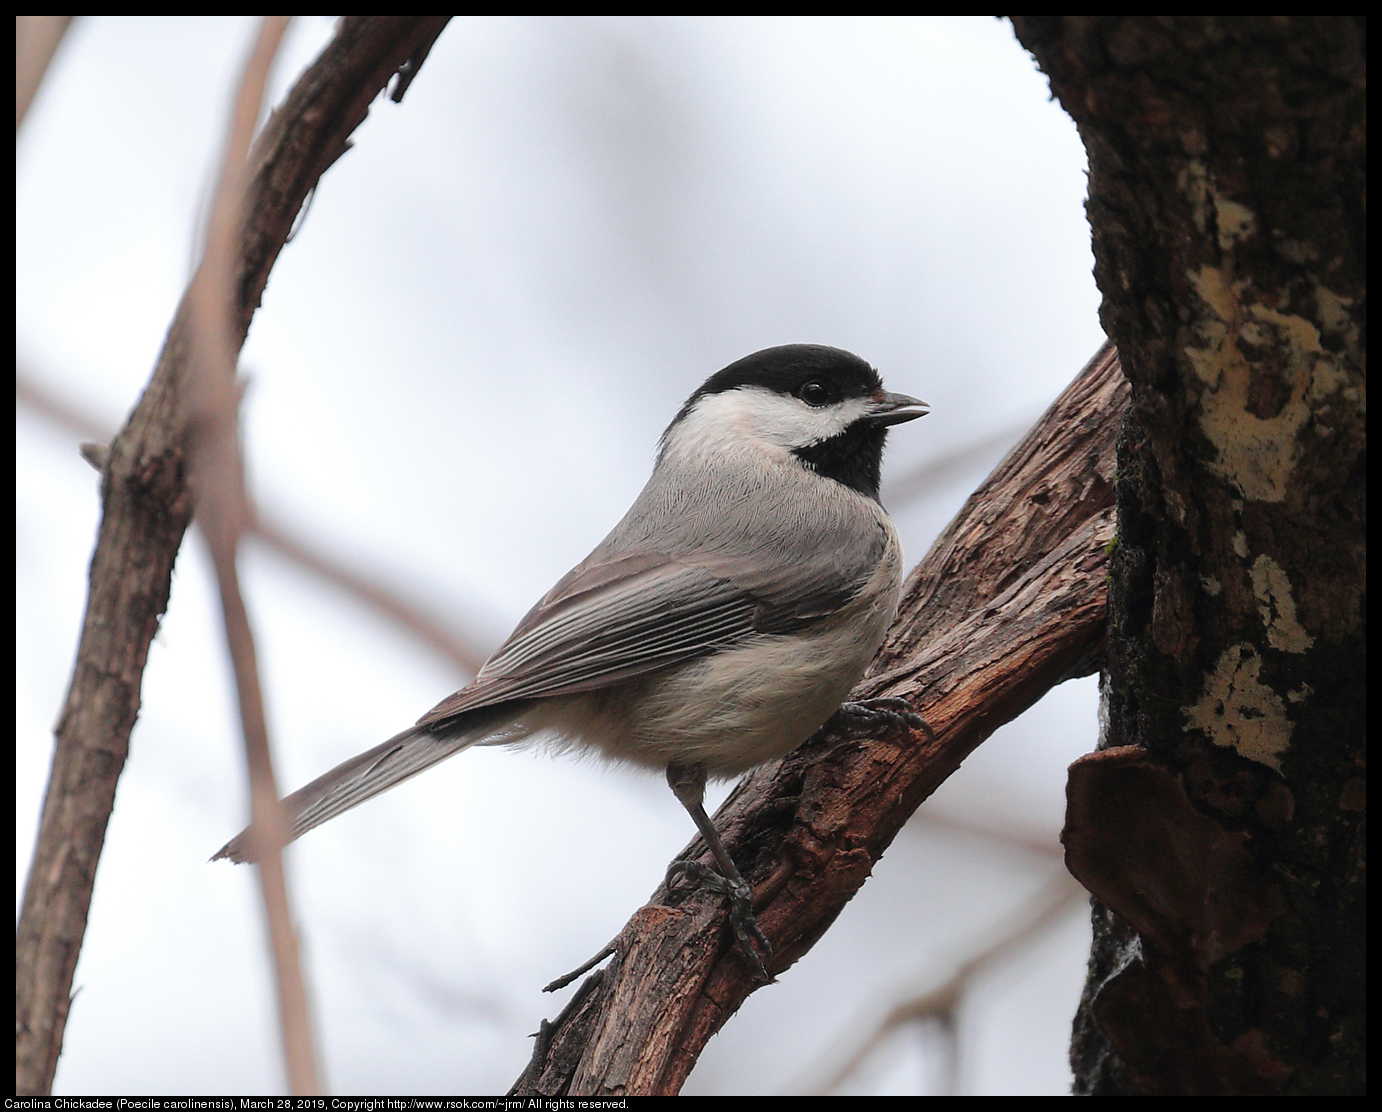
(1220, 827)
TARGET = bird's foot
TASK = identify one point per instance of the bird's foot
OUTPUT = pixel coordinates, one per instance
(747, 932)
(878, 716)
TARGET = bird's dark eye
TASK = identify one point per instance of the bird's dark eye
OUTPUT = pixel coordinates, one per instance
(814, 393)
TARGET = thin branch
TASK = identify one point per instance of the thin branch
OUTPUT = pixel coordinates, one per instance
(36, 40)
(1008, 839)
(939, 1004)
(216, 476)
(1009, 602)
(925, 476)
(146, 508)
(461, 650)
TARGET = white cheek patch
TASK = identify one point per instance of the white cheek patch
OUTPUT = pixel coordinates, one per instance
(753, 413)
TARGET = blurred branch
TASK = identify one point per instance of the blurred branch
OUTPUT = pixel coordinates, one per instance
(927, 475)
(464, 654)
(939, 1004)
(461, 651)
(36, 40)
(1055, 900)
(216, 476)
(1009, 602)
(1005, 838)
(146, 507)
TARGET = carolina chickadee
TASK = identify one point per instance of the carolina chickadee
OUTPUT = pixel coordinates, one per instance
(718, 626)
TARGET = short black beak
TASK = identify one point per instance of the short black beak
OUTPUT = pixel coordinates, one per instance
(893, 409)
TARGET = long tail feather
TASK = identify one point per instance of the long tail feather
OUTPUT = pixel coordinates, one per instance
(363, 777)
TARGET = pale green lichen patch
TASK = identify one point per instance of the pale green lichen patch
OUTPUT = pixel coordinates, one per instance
(1257, 453)
(1303, 692)
(1254, 406)
(1239, 711)
(1278, 607)
(1236, 222)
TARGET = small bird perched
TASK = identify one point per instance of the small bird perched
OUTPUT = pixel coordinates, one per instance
(719, 625)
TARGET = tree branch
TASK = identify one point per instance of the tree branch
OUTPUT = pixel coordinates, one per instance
(36, 40)
(454, 641)
(1009, 602)
(216, 477)
(940, 1002)
(146, 509)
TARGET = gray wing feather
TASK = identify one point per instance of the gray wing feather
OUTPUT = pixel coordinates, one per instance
(612, 619)
(625, 611)
(587, 639)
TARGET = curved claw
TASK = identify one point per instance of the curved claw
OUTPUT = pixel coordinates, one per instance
(886, 712)
(741, 917)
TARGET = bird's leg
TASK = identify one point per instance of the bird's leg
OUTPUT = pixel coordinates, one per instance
(688, 784)
(883, 715)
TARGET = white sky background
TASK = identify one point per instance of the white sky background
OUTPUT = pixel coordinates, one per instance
(462, 364)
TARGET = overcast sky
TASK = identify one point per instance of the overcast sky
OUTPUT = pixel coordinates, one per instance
(497, 301)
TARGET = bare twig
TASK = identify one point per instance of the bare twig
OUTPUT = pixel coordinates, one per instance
(146, 508)
(1006, 838)
(36, 40)
(1009, 602)
(941, 468)
(216, 476)
(938, 1004)
(462, 650)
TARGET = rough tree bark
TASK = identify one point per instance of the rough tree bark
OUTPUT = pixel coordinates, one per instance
(145, 512)
(1220, 827)
(1008, 603)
